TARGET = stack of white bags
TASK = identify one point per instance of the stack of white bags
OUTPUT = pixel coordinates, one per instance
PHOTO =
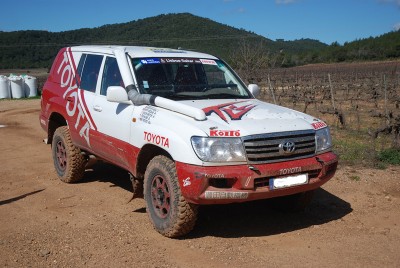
(16, 87)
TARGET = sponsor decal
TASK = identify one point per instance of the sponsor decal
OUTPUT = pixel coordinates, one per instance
(231, 109)
(225, 133)
(147, 114)
(292, 170)
(319, 125)
(75, 105)
(151, 61)
(199, 175)
(156, 139)
(179, 60)
(226, 195)
(247, 181)
(209, 62)
(186, 182)
(166, 50)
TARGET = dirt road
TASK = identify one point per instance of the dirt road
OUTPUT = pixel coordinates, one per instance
(354, 220)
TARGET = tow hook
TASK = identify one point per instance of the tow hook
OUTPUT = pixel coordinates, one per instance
(256, 170)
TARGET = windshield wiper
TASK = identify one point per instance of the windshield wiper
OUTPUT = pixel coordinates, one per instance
(225, 96)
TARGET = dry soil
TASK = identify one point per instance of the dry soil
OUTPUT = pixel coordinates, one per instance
(354, 220)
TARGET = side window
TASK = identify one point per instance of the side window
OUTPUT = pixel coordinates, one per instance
(111, 75)
(89, 68)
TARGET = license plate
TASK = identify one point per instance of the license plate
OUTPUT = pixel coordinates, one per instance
(278, 183)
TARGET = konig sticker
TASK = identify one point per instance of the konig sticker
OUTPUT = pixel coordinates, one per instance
(319, 125)
(225, 133)
(233, 110)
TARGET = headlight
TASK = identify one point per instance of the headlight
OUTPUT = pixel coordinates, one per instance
(323, 140)
(219, 149)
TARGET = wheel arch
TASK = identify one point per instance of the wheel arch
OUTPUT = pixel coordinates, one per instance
(148, 152)
(56, 120)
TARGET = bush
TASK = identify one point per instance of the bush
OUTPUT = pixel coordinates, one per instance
(390, 156)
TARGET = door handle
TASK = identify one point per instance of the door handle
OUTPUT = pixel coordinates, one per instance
(97, 108)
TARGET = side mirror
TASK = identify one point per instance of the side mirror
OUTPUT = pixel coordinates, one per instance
(117, 94)
(254, 89)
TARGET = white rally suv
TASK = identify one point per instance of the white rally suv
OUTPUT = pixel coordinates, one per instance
(184, 126)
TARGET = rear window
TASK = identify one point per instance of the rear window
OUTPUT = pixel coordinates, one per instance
(88, 69)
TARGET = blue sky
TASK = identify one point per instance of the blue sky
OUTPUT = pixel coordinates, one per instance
(324, 20)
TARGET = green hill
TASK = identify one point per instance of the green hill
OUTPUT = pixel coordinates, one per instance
(386, 46)
(30, 49)
(27, 49)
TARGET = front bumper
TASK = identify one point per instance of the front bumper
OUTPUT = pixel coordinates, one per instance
(241, 183)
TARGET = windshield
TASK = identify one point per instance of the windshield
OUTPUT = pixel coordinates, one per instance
(188, 79)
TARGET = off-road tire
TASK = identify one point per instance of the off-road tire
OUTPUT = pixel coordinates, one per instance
(171, 215)
(68, 159)
(293, 203)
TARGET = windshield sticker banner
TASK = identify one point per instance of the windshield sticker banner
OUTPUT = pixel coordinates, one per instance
(209, 62)
(166, 50)
(231, 109)
(151, 61)
(180, 60)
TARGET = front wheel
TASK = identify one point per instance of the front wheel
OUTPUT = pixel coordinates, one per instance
(170, 213)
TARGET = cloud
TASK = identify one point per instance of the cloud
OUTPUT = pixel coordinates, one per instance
(391, 2)
(286, 2)
(241, 10)
(396, 27)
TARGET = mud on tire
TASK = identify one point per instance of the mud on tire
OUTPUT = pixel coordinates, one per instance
(170, 213)
(68, 160)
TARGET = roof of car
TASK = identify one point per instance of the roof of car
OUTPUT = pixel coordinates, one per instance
(145, 52)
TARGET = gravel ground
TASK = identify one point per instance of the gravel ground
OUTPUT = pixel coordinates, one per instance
(352, 222)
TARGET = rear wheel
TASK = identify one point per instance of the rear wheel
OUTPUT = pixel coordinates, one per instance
(68, 160)
(170, 213)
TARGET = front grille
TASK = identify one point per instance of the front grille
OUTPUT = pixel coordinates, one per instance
(264, 148)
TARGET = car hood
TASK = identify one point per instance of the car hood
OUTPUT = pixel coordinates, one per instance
(235, 117)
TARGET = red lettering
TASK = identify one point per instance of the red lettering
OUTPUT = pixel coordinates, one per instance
(66, 78)
(224, 133)
(318, 125)
(166, 144)
(234, 112)
(156, 139)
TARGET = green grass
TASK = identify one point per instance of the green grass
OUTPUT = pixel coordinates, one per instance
(30, 98)
(389, 156)
(355, 178)
(352, 148)
(358, 148)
